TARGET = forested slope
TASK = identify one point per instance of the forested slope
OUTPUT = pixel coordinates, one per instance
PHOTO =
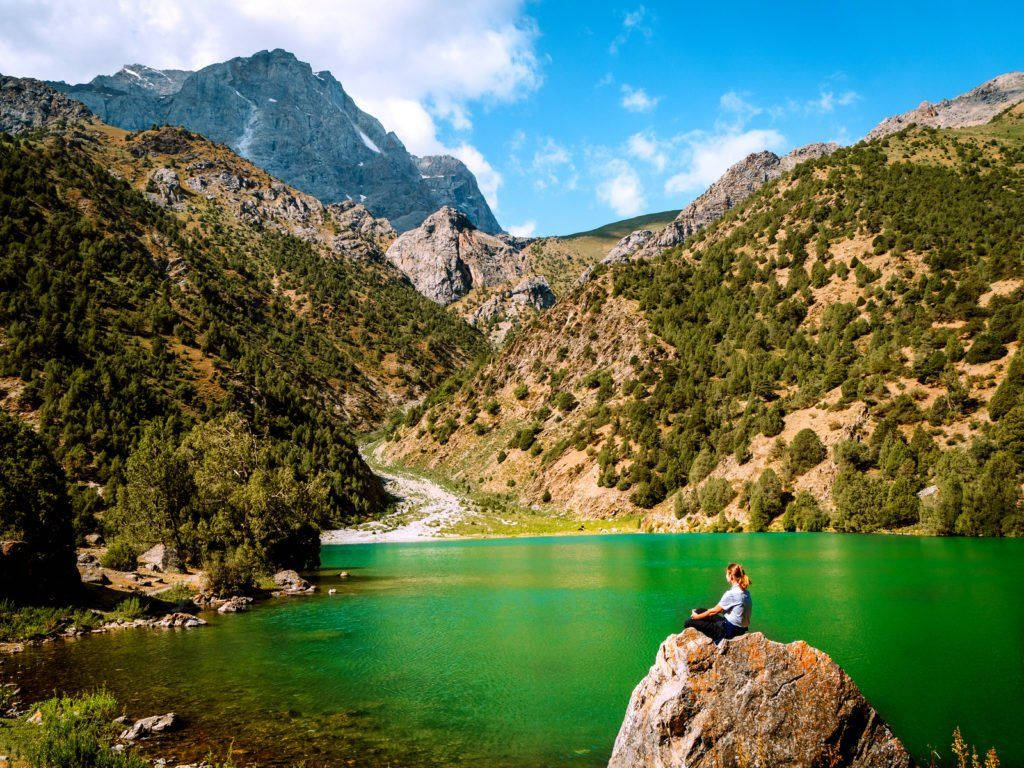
(825, 354)
(198, 362)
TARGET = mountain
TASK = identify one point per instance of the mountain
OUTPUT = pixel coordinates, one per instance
(734, 186)
(157, 278)
(27, 104)
(976, 107)
(299, 125)
(446, 256)
(840, 349)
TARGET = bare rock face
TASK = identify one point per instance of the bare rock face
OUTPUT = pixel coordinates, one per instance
(627, 246)
(975, 107)
(446, 256)
(750, 701)
(738, 183)
(27, 104)
(503, 311)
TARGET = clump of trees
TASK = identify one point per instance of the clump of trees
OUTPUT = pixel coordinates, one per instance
(219, 501)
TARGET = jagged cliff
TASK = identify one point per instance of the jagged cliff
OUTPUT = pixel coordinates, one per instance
(446, 256)
(738, 183)
(750, 701)
(27, 104)
(299, 125)
(976, 107)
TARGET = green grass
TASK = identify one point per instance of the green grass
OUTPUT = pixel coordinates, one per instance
(617, 230)
(19, 623)
(75, 732)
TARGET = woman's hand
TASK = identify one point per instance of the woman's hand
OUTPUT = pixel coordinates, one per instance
(694, 614)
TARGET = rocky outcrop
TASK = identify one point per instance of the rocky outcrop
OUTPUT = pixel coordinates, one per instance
(27, 104)
(508, 308)
(975, 107)
(628, 245)
(446, 256)
(300, 125)
(452, 183)
(738, 183)
(750, 701)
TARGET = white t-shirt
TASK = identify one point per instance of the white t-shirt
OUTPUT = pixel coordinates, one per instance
(736, 605)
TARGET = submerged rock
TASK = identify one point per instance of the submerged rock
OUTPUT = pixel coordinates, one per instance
(148, 726)
(750, 701)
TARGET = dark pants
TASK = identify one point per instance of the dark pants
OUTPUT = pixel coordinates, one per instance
(717, 627)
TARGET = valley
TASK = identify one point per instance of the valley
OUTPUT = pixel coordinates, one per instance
(299, 442)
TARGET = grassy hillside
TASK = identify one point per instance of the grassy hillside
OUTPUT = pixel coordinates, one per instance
(148, 345)
(845, 339)
(563, 259)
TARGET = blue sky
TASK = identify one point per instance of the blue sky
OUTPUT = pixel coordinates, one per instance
(571, 114)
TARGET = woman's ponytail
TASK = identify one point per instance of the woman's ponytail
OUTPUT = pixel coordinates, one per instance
(738, 575)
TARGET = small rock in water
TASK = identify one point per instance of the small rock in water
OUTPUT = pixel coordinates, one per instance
(235, 604)
(332, 591)
(147, 726)
(343, 575)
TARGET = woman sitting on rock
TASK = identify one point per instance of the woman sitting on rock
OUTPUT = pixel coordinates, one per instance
(731, 617)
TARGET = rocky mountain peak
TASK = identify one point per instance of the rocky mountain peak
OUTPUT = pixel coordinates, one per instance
(301, 126)
(703, 705)
(734, 186)
(975, 107)
(446, 256)
(27, 104)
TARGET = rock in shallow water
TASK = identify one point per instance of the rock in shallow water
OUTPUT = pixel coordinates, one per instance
(148, 726)
(750, 701)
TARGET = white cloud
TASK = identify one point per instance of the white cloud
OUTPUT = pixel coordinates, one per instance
(621, 189)
(736, 105)
(827, 101)
(526, 229)
(711, 154)
(645, 146)
(411, 63)
(637, 99)
(634, 22)
(487, 177)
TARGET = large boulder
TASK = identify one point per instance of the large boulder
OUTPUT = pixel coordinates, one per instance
(750, 701)
(160, 558)
(148, 726)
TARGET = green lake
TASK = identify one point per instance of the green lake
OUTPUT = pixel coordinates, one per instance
(523, 652)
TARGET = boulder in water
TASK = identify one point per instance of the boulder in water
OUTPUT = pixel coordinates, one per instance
(750, 701)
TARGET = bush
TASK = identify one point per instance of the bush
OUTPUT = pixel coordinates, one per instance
(129, 609)
(765, 500)
(772, 422)
(120, 556)
(492, 407)
(985, 349)
(75, 732)
(546, 498)
(648, 493)
(715, 495)
(806, 514)
(806, 451)
(521, 392)
(238, 573)
(565, 401)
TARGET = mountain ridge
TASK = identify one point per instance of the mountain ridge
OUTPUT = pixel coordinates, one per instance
(300, 125)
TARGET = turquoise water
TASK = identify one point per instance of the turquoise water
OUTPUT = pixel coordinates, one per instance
(524, 652)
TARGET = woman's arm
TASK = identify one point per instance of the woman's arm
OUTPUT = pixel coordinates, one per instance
(705, 614)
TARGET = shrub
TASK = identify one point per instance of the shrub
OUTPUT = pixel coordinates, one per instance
(237, 573)
(765, 500)
(715, 495)
(492, 407)
(565, 401)
(985, 349)
(772, 422)
(521, 392)
(75, 732)
(806, 514)
(806, 451)
(120, 556)
(648, 493)
(702, 466)
(130, 608)
(546, 498)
